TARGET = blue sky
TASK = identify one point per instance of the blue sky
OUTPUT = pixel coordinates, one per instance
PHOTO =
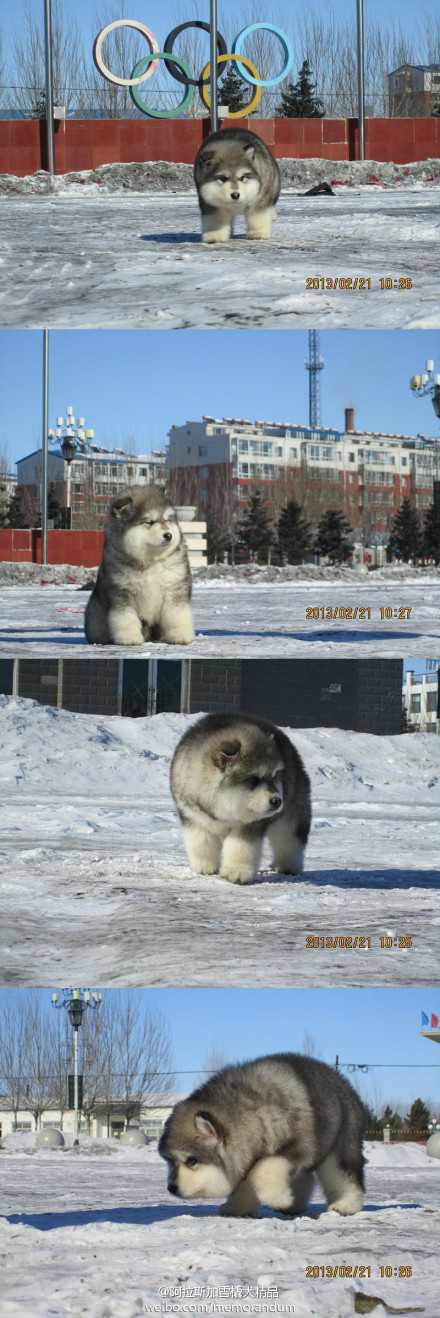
(380, 1026)
(161, 15)
(134, 384)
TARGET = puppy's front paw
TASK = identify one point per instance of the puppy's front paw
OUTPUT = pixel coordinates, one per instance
(237, 874)
(179, 637)
(216, 236)
(234, 1210)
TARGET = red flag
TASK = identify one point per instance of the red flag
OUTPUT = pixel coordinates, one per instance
(434, 1022)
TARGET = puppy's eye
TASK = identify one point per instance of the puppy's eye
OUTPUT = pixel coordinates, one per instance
(191, 1162)
(222, 178)
(253, 782)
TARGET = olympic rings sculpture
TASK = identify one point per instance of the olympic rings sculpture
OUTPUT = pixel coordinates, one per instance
(179, 69)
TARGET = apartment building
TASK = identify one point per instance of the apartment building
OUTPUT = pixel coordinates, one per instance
(96, 474)
(219, 462)
(421, 701)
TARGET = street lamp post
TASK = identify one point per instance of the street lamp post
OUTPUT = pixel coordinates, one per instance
(49, 86)
(76, 1007)
(213, 57)
(360, 77)
(73, 432)
(424, 385)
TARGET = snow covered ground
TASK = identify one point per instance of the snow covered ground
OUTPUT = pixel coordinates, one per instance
(96, 887)
(100, 1237)
(108, 250)
(251, 615)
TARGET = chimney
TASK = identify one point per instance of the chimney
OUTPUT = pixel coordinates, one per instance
(349, 419)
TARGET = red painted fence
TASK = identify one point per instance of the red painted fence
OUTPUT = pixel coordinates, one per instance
(87, 143)
(80, 548)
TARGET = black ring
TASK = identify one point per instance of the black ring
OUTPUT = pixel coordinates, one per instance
(168, 48)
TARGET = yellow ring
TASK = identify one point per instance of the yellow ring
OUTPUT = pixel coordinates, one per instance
(236, 114)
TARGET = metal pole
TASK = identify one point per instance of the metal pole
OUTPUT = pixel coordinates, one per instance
(49, 86)
(75, 1083)
(360, 74)
(69, 487)
(213, 61)
(44, 445)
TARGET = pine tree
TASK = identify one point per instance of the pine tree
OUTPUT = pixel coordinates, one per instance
(406, 539)
(294, 533)
(374, 1123)
(431, 536)
(219, 539)
(418, 1116)
(54, 508)
(256, 530)
(391, 1118)
(331, 540)
(231, 91)
(299, 101)
(16, 517)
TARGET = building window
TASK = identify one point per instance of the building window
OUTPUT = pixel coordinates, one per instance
(415, 704)
(432, 702)
(294, 453)
(352, 457)
(203, 451)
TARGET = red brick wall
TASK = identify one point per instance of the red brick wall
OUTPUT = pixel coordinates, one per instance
(81, 548)
(85, 144)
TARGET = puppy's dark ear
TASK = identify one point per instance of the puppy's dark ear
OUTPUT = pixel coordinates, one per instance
(250, 151)
(208, 1128)
(226, 754)
(205, 158)
(121, 507)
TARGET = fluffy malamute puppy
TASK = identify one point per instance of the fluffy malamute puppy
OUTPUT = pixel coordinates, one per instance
(235, 174)
(235, 778)
(143, 588)
(257, 1132)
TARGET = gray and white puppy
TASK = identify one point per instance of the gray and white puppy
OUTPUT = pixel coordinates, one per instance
(143, 588)
(236, 778)
(257, 1132)
(235, 174)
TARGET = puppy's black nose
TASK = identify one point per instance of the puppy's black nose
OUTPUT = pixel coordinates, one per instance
(235, 196)
(172, 1186)
(167, 535)
(275, 801)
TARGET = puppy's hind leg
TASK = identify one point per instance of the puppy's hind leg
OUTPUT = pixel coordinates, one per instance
(125, 628)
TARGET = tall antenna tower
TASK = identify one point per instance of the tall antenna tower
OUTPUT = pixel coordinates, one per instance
(314, 366)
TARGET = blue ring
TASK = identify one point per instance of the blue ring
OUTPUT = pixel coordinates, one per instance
(288, 51)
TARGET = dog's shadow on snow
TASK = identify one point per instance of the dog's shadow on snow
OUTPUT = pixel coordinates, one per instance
(148, 1216)
(382, 878)
(175, 238)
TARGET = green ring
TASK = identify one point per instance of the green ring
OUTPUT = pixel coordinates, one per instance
(161, 114)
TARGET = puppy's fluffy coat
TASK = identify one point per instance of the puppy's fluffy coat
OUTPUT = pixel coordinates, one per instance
(235, 778)
(257, 1132)
(235, 174)
(143, 587)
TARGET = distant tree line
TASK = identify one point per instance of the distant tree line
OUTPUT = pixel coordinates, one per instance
(292, 539)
